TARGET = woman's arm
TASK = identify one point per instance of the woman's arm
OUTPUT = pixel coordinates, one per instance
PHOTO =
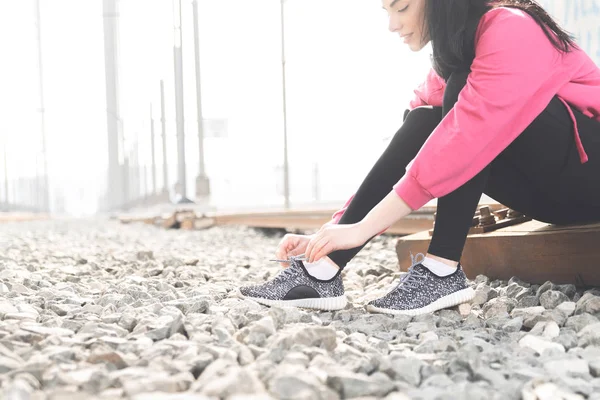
(515, 74)
(385, 214)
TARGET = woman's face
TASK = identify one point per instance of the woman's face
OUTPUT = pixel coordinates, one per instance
(407, 19)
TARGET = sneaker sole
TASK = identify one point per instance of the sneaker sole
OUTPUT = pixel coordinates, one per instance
(451, 300)
(321, 303)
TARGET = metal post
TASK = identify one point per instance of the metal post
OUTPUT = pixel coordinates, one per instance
(126, 181)
(153, 153)
(6, 196)
(164, 139)
(116, 188)
(286, 167)
(177, 55)
(45, 192)
(15, 192)
(136, 169)
(144, 168)
(202, 182)
(316, 186)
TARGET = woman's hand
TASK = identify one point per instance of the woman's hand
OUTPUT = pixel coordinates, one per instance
(291, 245)
(334, 237)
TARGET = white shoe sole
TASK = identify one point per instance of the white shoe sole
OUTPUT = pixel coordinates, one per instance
(321, 303)
(451, 300)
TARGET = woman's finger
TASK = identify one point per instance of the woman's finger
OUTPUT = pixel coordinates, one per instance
(322, 241)
(295, 251)
(282, 246)
(311, 245)
(282, 250)
(324, 251)
(287, 245)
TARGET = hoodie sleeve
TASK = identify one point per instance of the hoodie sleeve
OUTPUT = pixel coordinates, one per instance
(335, 218)
(430, 92)
(513, 78)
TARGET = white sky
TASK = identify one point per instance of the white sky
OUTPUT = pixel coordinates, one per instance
(348, 82)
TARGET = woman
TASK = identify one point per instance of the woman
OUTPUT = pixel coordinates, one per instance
(511, 109)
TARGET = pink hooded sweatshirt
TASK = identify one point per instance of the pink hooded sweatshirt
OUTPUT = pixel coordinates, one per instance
(514, 76)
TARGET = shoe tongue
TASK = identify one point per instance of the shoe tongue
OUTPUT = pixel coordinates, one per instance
(419, 267)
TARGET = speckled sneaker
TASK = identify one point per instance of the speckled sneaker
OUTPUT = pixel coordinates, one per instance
(420, 291)
(294, 287)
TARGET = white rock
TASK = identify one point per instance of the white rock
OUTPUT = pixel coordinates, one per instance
(539, 345)
(42, 330)
(592, 328)
(568, 307)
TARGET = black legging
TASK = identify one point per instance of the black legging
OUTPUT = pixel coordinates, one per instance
(538, 174)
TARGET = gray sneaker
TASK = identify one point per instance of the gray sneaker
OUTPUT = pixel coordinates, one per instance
(420, 291)
(294, 287)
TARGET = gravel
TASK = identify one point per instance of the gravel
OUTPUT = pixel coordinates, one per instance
(92, 309)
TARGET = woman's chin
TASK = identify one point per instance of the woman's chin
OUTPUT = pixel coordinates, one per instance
(415, 47)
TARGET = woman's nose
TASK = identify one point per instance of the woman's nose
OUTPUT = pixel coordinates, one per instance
(394, 25)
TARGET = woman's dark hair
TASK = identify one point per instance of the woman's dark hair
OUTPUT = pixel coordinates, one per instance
(451, 27)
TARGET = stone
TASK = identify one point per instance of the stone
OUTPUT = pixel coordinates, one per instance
(416, 328)
(112, 360)
(595, 368)
(7, 308)
(499, 306)
(157, 382)
(494, 378)
(567, 338)
(528, 301)
(567, 307)
(8, 364)
(544, 288)
(550, 299)
(539, 345)
(218, 380)
(436, 346)
(404, 369)
(578, 322)
(42, 330)
(297, 386)
(589, 304)
(513, 325)
(481, 294)
(574, 367)
(351, 385)
(547, 329)
(568, 289)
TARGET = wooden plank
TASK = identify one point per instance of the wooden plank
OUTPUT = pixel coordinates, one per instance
(293, 221)
(21, 217)
(534, 251)
(296, 219)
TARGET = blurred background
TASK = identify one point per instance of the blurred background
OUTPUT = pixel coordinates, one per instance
(114, 105)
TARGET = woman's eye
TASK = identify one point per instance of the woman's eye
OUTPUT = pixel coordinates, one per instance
(404, 9)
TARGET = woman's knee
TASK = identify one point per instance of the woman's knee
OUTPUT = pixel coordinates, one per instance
(423, 113)
(418, 125)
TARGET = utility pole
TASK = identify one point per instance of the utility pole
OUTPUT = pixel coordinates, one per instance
(137, 181)
(177, 55)
(152, 144)
(164, 139)
(45, 191)
(202, 182)
(6, 197)
(286, 167)
(116, 187)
